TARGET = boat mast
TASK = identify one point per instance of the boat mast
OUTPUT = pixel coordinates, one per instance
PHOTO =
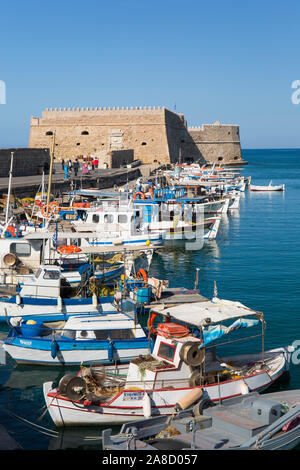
(9, 187)
(50, 173)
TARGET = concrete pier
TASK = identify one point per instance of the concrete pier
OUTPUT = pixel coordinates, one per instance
(28, 186)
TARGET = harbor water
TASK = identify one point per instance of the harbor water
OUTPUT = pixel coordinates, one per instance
(255, 260)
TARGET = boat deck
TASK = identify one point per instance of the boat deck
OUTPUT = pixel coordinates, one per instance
(178, 295)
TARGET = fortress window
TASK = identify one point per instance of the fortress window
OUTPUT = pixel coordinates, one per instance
(78, 143)
(49, 133)
(84, 133)
(144, 143)
(220, 158)
(236, 158)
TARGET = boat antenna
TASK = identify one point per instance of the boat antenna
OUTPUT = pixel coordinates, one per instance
(215, 294)
(196, 280)
(50, 173)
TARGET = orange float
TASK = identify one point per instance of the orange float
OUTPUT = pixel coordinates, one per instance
(172, 329)
(81, 204)
(66, 249)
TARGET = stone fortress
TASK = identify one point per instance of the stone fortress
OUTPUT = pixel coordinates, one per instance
(149, 134)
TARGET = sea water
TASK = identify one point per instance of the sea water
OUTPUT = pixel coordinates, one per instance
(255, 260)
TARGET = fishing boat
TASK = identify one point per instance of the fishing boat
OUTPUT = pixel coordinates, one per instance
(181, 362)
(41, 297)
(248, 422)
(81, 340)
(269, 187)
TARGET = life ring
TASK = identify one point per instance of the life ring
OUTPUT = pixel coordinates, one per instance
(142, 273)
(55, 207)
(150, 323)
(141, 194)
(47, 211)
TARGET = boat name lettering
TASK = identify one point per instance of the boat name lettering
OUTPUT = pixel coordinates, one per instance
(133, 395)
(26, 343)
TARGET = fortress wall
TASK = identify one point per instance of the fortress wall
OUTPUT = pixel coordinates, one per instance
(154, 134)
(214, 143)
(84, 132)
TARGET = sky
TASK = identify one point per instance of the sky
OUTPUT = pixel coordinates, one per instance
(232, 62)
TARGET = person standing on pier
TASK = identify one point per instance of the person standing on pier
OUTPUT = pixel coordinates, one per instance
(76, 167)
(63, 165)
(84, 169)
(66, 170)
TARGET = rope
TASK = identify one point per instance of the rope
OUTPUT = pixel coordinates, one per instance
(44, 430)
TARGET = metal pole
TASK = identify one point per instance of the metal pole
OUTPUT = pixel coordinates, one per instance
(9, 186)
(50, 173)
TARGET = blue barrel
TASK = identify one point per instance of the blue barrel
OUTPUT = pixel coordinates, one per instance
(31, 329)
(143, 295)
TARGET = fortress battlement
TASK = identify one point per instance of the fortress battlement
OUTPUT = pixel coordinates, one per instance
(57, 113)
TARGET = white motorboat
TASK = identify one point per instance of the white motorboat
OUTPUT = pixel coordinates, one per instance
(269, 187)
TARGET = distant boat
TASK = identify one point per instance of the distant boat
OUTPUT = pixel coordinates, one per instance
(270, 187)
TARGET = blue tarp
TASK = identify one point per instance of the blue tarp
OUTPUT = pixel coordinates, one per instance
(215, 332)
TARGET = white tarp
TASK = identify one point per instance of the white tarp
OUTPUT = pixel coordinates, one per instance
(205, 313)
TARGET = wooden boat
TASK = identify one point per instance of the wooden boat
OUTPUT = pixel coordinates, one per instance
(270, 187)
(106, 338)
(41, 298)
(181, 363)
(249, 422)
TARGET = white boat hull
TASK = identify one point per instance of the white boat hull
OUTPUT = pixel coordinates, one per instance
(267, 188)
(127, 405)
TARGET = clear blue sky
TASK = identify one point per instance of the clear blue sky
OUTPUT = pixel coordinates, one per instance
(230, 61)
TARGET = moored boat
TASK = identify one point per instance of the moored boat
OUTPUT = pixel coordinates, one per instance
(106, 338)
(249, 422)
(268, 187)
(181, 364)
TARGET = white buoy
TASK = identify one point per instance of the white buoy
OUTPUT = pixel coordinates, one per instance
(95, 301)
(146, 405)
(18, 299)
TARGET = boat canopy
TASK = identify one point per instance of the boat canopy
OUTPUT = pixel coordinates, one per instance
(206, 313)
